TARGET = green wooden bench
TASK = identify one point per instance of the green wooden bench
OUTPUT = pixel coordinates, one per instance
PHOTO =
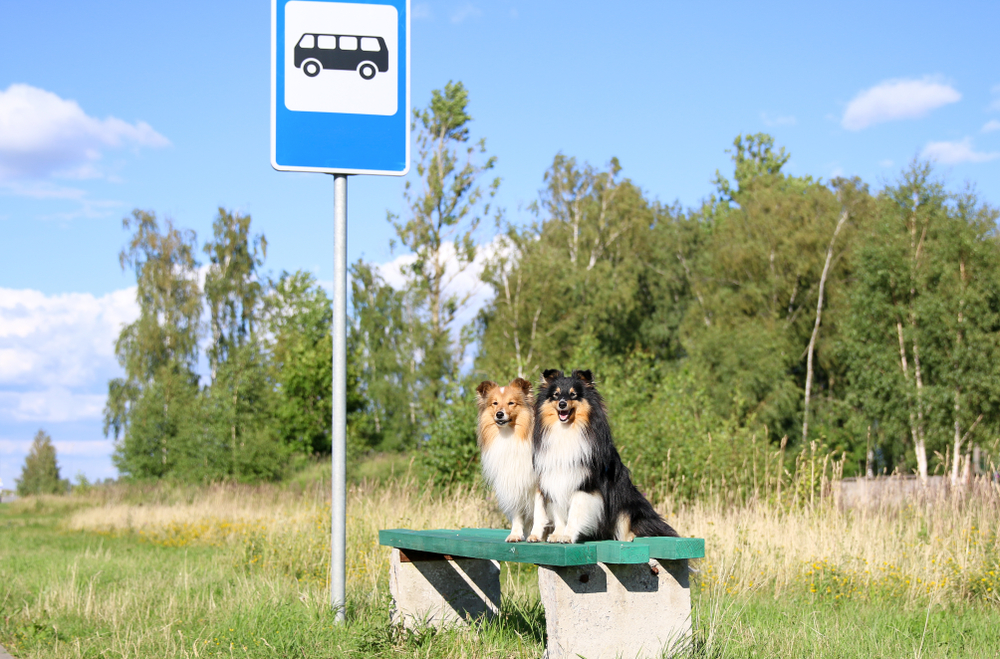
(601, 599)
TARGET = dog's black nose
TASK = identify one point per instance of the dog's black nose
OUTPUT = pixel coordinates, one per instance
(500, 414)
(562, 404)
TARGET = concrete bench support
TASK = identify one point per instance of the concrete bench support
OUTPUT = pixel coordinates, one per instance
(429, 589)
(603, 599)
(606, 611)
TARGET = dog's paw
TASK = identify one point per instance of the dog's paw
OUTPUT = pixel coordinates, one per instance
(534, 538)
(560, 538)
(515, 537)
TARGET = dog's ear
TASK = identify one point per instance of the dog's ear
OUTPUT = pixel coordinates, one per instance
(523, 385)
(483, 390)
(586, 376)
(551, 374)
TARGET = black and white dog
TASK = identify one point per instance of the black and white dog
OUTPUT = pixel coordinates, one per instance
(587, 492)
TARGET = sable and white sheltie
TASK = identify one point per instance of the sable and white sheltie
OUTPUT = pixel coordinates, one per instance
(506, 422)
(587, 491)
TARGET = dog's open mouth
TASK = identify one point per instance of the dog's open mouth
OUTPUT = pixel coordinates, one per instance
(564, 415)
(502, 422)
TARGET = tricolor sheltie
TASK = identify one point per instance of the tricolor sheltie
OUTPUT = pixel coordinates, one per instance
(504, 434)
(587, 491)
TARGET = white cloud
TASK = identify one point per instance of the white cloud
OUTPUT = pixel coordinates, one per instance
(43, 135)
(52, 405)
(466, 11)
(420, 10)
(16, 446)
(458, 283)
(61, 336)
(768, 120)
(886, 163)
(57, 352)
(991, 126)
(954, 153)
(897, 99)
(23, 446)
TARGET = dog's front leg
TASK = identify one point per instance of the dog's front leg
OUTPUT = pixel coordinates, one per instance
(516, 528)
(540, 521)
(584, 517)
(559, 515)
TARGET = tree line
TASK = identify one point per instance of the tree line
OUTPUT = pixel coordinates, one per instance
(268, 350)
(782, 312)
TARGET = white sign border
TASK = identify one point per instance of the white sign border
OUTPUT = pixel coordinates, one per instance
(274, 108)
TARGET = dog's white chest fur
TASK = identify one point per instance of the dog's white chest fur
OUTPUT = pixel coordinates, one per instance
(507, 468)
(561, 463)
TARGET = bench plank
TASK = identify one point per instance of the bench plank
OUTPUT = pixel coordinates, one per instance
(609, 551)
(673, 549)
(489, 544)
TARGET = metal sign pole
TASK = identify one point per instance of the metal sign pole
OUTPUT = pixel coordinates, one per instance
(324, 118)
(338, 504)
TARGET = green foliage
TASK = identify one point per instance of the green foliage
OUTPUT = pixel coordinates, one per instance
(756, 275)
(241, 439)
(921, 350)
(270, 357)
(733, 306)
(232, 288)
(40, 474)
(299, 320)
(583, 270)
(386, 338)
(450, 451)
(164, 429)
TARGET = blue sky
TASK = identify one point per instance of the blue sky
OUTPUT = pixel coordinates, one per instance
(109, 106)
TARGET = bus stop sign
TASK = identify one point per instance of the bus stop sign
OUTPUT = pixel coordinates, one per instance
(340, 86)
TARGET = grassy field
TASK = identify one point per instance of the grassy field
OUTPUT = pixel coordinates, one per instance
(241, 571)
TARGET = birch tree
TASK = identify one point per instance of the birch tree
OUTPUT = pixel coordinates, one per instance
(445, 210)
(924, 318)
(580, 269)
(241, 438)
(148, 410)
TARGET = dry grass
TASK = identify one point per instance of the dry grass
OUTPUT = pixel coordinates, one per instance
(936, 550)
(254, 565)
(272, 529)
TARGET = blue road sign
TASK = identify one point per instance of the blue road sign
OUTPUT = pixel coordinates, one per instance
(340, 86)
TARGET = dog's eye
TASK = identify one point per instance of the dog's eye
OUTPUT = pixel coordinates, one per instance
(495, 403)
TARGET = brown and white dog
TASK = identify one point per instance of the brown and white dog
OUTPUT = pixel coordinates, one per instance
(504, 434)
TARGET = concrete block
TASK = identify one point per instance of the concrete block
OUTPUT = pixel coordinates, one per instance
(428, 589)
(607, 611)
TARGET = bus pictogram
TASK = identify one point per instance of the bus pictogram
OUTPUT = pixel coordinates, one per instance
(341, 52)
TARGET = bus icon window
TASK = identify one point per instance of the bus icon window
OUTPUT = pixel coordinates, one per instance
(341, 52)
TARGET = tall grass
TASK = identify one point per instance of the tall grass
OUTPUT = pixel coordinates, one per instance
(934, 549)
(240, 564)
